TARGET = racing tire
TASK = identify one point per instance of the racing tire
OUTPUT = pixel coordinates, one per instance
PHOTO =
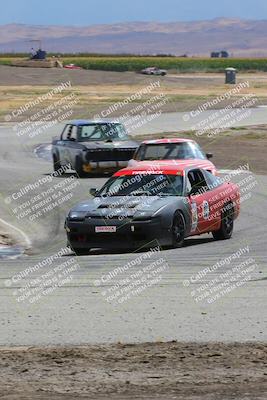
(56, 163)
(178, 230)
(227, 223)
(79, 168)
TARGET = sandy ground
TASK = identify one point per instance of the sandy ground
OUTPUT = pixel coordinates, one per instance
(143, 371)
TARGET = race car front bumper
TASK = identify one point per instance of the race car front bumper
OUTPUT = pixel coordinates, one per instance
(100, 233)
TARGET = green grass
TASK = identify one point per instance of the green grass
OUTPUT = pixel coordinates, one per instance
(5, 61)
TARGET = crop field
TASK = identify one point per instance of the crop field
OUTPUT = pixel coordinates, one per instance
(179, 64)
(7, 60)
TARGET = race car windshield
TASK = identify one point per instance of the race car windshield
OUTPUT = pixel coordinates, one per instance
(102, 132)
(143, 185)
(170, 151)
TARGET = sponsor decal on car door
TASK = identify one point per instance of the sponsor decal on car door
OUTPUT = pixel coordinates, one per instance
(194, 217)
(199, 213)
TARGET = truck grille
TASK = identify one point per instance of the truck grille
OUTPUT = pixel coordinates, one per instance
(110, 155)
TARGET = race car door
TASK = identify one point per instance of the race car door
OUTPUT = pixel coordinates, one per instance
(201, 200)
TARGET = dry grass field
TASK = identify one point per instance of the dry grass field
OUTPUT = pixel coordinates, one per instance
(97, 90)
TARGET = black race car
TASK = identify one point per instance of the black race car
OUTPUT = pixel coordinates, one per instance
(140, 206)
(93, 147)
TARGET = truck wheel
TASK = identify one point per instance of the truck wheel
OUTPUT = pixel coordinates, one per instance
(79, 168)
(56, 163)
(227, 223)
(178, 229)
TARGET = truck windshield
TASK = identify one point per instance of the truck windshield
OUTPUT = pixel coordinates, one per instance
(143, 185)
(102, 132)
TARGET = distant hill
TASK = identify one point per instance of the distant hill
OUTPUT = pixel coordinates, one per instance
(238, 37)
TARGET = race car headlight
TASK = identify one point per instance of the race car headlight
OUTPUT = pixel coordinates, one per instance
(77, 215)
(142, 216)
(160, 210)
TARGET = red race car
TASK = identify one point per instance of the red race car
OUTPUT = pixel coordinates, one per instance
(174, 151)
(72, 66)
(140, 205)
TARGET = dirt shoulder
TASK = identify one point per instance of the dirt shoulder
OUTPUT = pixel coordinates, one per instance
(126, 371)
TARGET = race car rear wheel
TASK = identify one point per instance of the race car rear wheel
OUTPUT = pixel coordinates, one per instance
(178, 230)
(227, 223)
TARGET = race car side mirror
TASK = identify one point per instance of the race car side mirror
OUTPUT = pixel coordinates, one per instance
(93, 192)
(209, 155)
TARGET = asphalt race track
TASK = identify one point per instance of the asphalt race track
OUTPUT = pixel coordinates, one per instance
(78, 313)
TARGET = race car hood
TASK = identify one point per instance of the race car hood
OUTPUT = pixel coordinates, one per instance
(106, 145)
(122, 205)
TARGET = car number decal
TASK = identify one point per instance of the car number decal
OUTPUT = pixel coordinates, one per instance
(194, 216)
(205, 209)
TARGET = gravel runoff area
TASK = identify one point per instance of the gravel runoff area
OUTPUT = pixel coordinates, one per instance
(169, 370)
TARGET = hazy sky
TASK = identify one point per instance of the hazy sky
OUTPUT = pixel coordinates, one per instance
(87, 12)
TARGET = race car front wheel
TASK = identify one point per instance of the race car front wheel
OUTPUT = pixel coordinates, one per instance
(178, 230)
(80, 252)
(227, 223)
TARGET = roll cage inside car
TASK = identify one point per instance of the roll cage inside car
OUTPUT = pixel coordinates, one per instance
(70, 132)
(198, 181)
